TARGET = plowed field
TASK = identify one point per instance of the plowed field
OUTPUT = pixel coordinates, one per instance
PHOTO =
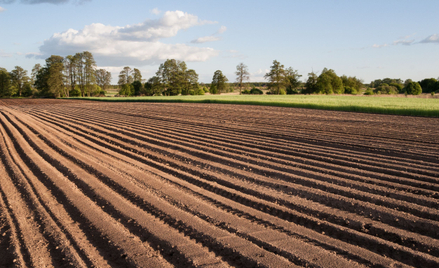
(91, 184)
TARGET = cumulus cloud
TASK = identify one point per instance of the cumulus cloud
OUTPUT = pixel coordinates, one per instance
(43, 1)
(431, 39)
(167, 26)
(156, 11)
(137, 44)
(210, 38)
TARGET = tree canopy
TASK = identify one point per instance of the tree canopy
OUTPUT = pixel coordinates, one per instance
(218, 84)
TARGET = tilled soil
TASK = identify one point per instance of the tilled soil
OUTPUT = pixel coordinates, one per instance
(92, 184)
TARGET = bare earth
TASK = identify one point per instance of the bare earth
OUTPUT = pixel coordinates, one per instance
(91, 184)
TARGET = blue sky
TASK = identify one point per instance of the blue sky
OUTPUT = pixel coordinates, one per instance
(367, 39)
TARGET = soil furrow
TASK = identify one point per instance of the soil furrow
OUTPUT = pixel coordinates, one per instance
(375, 213)
(184, 185)
(227, 194)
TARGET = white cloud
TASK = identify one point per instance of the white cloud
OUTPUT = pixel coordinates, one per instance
(380, 46)
(210, 38)
(221, 30)
(205, 39)
(408, 42)
(132, 44)
(431, 39)
(167, 26)
(32, 54)
(2, 9)
(156, 11)
(258, 76)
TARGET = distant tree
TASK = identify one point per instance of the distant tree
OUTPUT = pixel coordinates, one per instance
(55, 81)
(125, 76)
(276, 78)
(37, 67)
(293, 82)
(389, 81)
(89, 72)
(137, 76)
(27, 90)
(18, 79)
(385, 89)
(175, 78)
(429, 85)
(413, 88)
(5, 83)
(137, 87)
(354, 84)
(70, 72)
(126, 90)
(189, 81)
(83, 72)
(242, 75)
(170, 73)
(153, 87)
(328, 82)
(218, 82)
(311, 84)
(103, 79)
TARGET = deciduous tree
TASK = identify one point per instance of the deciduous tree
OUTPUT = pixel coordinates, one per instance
(311, 83)
(125, 76)
(103, 79)
(137, 76)
(5, 83)
(218, 83)
(55, 80)
(293, 82)
(153, 87)
(276, 78)
(329, 83)
(37, 67)
(413, 88)
(242, 75)
(18, 79)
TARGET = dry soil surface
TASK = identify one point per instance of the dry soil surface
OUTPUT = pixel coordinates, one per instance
(93, 184)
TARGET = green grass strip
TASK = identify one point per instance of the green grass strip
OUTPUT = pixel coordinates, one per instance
(399, 105)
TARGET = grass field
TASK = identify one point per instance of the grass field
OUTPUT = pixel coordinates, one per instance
(382, 105)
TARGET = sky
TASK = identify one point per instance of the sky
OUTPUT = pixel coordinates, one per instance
(366, 39)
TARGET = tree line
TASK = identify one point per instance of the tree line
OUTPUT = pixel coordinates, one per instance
(77, 75)
(74, 75)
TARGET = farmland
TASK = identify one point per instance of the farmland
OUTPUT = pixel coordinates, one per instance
(100, 184)
(397, 104)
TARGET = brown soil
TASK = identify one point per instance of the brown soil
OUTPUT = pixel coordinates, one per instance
(92, 184)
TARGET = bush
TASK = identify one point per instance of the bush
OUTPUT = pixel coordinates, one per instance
(199, 91)
(256, 91)
(386, 89)
(291, 91)
(350, 90)
(76, 92)
(245, 91)
(369, 91)
(413, 88)
(126, 90)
